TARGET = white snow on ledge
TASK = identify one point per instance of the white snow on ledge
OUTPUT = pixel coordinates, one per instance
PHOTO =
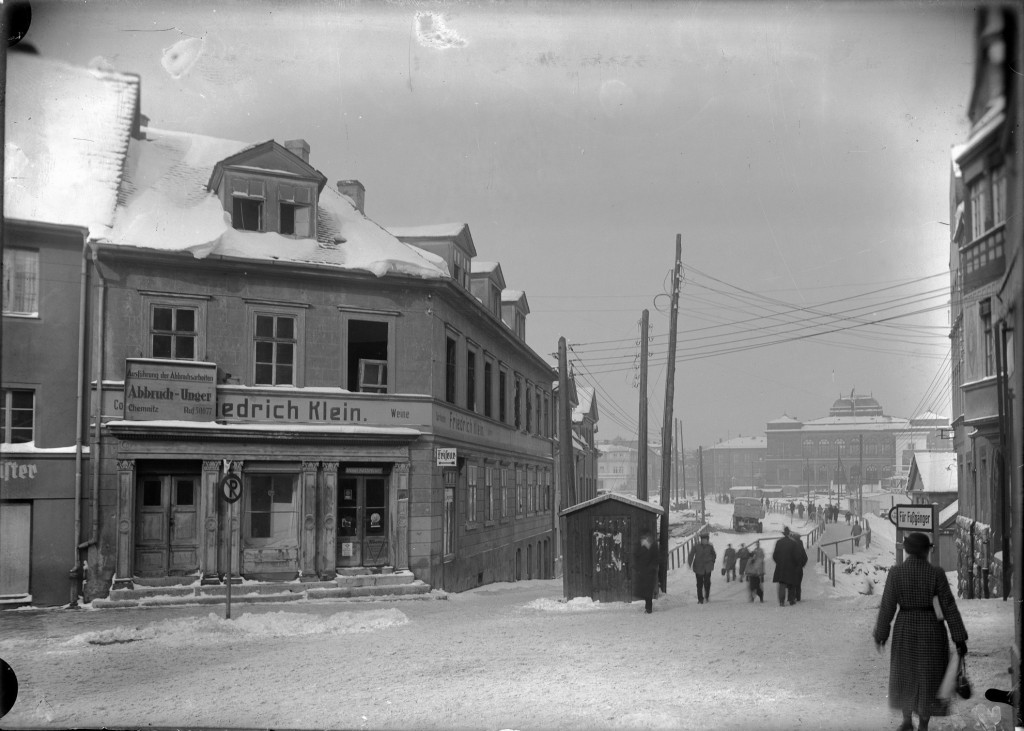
(31, 448)
(305, 428)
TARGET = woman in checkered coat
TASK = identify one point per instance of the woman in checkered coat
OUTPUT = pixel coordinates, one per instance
(920, 645)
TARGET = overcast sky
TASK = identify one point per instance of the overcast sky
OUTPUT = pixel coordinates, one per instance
(801, 150)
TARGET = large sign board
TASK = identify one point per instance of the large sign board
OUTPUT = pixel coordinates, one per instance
(913, 517)
(177, 390)
(446, 457)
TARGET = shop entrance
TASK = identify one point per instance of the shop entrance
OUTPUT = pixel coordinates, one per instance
(362, 520)
(166, 535)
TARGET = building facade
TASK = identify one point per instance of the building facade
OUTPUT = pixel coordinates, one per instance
(986, 285)
(283, 389)
(852, 448)
(739, 461)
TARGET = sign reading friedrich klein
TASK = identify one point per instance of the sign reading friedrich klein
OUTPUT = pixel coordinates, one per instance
(169, 389)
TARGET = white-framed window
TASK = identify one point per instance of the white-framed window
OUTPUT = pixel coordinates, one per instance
(248, 197)
(17, 415)
(531, 490)
(451, 366)
(517, 402)
(488, 494)
(173, 331)
(471, 377)
(503, 491)
(998, 195)
(271, 517)
(277, 344)
(471, 495)
(21, 282)
(520, 492)
(502, 395)
(488, 388)
(296, 214)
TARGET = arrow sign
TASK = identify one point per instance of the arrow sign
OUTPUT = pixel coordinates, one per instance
(231, 487)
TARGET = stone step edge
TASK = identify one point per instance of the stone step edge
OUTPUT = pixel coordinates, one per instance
(364, 594)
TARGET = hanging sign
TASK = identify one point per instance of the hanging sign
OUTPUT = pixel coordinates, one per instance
(446, 456)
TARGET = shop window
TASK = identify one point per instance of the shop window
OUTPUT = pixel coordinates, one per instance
(17, 415)
(471, 495)
(451, 479)
(368, 355)
(276, 343)
(271, 511)
(21, 282)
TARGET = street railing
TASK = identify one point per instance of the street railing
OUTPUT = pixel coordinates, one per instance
(828, 564)
(679, 555)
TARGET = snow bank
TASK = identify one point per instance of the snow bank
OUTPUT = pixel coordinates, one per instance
(213, 628)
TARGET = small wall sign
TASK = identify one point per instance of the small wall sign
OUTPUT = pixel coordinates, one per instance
(446, 456)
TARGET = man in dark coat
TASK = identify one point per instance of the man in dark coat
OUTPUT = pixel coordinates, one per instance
(729, 563)
(801, 556)
(855, 531)
(645, 563)
(743, 555)
(920, 643)
(702, 561)
(788, 567)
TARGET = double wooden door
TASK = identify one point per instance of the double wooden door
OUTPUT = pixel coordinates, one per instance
(166, 525)
(363, 528)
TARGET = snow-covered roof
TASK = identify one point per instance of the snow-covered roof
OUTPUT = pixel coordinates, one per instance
(627, 499)
(785, 419)
(512, 295)
(584, 405)
(948, 513)
(936, 472)
(740, 443)
(67, 131)
(483, 267)
(610, 448)
(861, 423)
(165, 205)
(429, 231)
(931, 416)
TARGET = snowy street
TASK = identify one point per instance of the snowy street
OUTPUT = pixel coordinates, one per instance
(505, 656)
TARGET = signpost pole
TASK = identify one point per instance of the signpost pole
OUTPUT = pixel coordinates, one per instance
(231, 515)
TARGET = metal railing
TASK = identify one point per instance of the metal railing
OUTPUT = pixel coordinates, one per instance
(679, 555)
(828, 564)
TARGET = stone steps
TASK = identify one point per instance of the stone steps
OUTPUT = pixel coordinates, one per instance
(398, 585)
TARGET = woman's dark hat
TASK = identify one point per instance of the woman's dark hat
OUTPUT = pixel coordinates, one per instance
(917, 544)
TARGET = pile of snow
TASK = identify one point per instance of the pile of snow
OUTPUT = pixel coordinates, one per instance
(577, 604)
(214, 628)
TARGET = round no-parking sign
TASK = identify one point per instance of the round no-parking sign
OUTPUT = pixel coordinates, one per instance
(231, 487)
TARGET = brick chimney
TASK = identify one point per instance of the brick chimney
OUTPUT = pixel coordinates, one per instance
(354, 190)
(299, 148)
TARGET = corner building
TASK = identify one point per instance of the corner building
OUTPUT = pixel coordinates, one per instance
(381, 417)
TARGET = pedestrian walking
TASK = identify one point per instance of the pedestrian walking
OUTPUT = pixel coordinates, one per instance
(801, 562)
(743, 555)
(792, 509)
(729, 563)
(920, 642)
(755, 573)
(788, 567)
(800, 510)
(702, 561)
(847, 517)
(867, 534)
(855, 532)
(646, 561)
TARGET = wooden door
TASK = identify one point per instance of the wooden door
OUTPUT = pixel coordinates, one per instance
(15, 548)
(166, 535)
(375, 527)
(611, 538)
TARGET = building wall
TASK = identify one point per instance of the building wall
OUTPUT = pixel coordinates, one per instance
(41, 354)
(421, 314)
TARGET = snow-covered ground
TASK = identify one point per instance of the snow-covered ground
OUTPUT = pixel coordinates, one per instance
(503, 656)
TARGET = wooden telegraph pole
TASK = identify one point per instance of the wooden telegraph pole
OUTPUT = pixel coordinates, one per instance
(641, 448)
(567, 493)
(666, 439)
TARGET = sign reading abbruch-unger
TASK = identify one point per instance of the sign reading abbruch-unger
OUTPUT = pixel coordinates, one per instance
(169, 389)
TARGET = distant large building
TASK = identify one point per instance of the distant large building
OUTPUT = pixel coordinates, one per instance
(739, 461)
(856, 444)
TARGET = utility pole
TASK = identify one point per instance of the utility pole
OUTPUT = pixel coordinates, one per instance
(700, 478)
(860, 480)
(567, 494)
(670, 391)
(641, 448)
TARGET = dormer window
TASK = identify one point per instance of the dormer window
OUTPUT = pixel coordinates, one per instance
(247, 199)
(460, 268)
(296, 214)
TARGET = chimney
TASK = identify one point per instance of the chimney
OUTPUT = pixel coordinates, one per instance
(354, 190)
(299, 148)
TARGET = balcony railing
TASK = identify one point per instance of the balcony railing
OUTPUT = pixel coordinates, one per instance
(984, 259)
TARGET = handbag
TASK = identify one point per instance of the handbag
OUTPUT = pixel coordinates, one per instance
(963, 683)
